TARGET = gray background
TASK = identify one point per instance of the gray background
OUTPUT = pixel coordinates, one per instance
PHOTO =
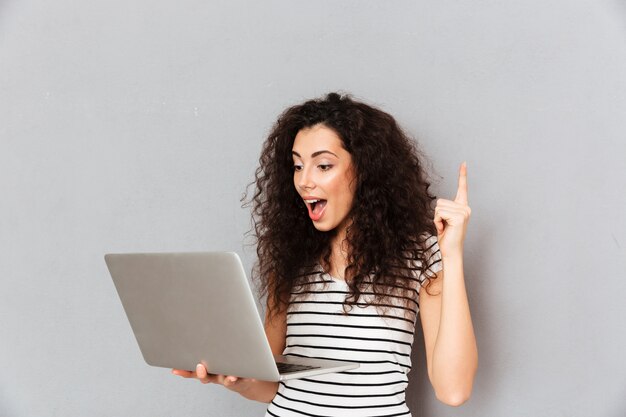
(136, 125)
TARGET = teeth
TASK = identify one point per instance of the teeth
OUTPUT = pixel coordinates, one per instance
(311, 201)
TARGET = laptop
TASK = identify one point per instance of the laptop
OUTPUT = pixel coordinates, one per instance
(198, 307)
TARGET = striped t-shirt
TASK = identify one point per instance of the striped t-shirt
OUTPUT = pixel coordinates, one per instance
(317, 327)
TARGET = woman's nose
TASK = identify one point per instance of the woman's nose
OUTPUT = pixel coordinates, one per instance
(305, 182)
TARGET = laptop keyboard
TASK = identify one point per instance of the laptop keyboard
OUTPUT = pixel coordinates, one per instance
(285, 368)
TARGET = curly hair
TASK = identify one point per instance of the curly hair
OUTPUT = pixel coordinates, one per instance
(391, 217)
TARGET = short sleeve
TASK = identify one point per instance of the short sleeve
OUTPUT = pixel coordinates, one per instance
(433, 256)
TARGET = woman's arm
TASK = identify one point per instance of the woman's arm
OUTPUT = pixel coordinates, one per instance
(451, 352)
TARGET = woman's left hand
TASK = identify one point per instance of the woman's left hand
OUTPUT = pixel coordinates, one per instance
(451, 218)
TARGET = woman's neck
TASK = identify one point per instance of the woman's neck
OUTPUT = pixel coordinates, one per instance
(339, 251)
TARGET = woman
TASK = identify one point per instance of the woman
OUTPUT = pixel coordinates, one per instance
(349, 249)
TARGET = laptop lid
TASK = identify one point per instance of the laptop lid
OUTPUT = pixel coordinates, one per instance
(198, 307)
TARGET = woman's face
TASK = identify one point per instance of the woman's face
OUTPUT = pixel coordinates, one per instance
(324, 176)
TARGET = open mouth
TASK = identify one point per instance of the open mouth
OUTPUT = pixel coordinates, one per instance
(316, 208)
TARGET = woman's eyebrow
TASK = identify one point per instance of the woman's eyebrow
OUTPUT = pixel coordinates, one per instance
(314, 154)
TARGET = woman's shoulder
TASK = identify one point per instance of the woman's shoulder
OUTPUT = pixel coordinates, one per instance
(422, 246)
(424, 255)
(430, 243)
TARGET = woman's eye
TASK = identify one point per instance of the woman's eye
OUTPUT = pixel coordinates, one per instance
(325, 167)
(297, 167)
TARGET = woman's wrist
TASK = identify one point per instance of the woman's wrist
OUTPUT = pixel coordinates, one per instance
(262, 391)
(452, 256)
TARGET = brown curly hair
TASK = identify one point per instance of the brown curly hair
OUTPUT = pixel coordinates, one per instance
(391, 216)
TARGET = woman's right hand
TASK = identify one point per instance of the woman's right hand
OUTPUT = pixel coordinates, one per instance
(233, 383)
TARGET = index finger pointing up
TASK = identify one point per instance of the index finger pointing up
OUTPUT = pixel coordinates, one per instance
(461, 194)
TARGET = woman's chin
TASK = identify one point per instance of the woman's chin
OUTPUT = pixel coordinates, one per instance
(323, 227)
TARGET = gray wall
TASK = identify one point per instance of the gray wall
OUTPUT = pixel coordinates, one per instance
(135, 126)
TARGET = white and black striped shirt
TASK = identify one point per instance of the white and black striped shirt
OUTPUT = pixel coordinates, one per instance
(317, 327)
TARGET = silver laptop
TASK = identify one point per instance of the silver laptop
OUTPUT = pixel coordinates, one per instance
(190, 308)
